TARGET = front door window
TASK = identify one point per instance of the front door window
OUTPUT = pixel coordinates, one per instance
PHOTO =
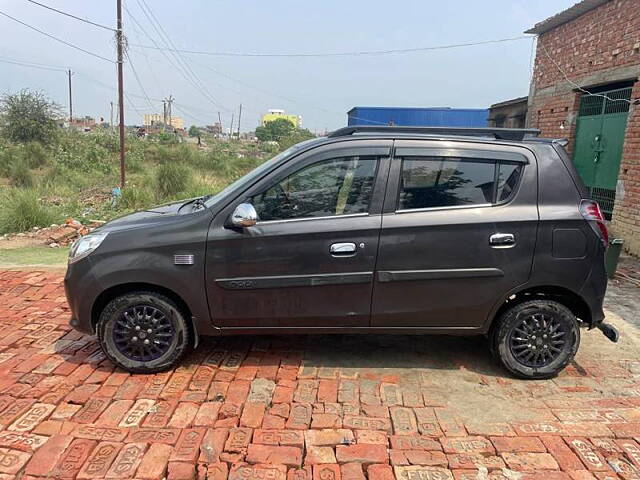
(338, 186)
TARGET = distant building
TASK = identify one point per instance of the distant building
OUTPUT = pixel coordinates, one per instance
(274, 114)
(418, 116)
(157, 119)
(508, 114)
(215, 129)
(85, 123)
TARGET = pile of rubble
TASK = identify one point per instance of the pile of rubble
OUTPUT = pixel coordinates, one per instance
(57, 235)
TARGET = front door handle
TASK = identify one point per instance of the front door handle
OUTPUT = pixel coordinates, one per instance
(343, 249)
(502, 240)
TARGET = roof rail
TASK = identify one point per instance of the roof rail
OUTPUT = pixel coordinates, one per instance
(497, 133)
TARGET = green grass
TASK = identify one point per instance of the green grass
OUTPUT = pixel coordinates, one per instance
(14, 257)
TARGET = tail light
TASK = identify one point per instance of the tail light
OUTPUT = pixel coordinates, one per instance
(591, 212)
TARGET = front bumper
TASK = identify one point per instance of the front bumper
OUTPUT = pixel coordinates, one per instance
(81, 289)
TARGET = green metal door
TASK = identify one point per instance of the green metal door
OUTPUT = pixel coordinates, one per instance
(600, 133)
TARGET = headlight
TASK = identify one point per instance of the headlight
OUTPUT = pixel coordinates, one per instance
(85, 245)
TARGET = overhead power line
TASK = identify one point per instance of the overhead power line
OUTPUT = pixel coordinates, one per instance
(41, 66)
(70, 15)
(56, 38)
(395, 51)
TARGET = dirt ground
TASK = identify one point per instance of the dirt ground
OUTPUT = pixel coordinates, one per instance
(340, 407)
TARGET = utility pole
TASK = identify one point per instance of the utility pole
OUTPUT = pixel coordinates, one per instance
(239, 117)
(220, 122)
(111, 118)
(120, 39)
(70, 100)
(169, 101)
(231, 127)
(164, 115)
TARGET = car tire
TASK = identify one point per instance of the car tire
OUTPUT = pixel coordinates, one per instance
(143, 332)
(536, 339)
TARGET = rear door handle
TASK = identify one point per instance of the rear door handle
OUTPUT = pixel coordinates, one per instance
(343, 249)
(502, 240)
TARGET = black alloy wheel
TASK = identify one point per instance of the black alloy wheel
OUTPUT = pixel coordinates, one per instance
(536, 339)
(143, 332)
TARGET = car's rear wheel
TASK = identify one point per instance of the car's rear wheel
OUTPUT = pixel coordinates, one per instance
(143, 332)
(536, 339)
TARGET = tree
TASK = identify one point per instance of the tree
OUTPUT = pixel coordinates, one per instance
(194, 131)
(275, 130)
(28, 116)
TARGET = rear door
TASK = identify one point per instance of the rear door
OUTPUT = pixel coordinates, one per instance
(309, 261)
(458, 233)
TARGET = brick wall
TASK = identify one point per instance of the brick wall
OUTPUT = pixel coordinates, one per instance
(600, 47)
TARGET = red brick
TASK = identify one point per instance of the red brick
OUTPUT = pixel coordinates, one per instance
(238, 440)
(326, 472)
(351, 471)
(362, 453)
(293, 438)
(467, 445)
(414, 442)
(154, 462)
(207, 414)
(73, 458)
(380, 472)
(213, 445)
(530, 462)
(562, 453)
(187, 447)
(518, 444)
(99, 461)
(252, 415)
(127, 461)
(217, 471)
(290, 456)
(183, 415)
(319, 455)
(304, 473)
(328, 391)
(243, 471)
(181, 471)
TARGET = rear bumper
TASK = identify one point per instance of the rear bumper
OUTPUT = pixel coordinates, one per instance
(594, 289)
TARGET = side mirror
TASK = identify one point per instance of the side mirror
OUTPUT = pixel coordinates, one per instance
(244, 216)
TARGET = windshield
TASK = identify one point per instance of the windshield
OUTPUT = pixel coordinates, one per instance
(258, 171)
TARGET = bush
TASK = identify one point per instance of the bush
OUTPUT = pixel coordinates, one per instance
(172, 178)
(35, 155)
(20, 174)
(135, 197)
(22, 210)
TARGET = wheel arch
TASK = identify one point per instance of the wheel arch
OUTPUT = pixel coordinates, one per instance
(122, 289)
(570, 299)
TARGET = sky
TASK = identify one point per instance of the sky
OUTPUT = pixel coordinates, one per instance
(320, 89)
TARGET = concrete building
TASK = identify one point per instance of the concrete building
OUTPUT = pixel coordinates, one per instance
(155, 119)
(274, 114)
(585, 87)
(508, 114)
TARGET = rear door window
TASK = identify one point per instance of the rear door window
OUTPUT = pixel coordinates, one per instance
(437, 182)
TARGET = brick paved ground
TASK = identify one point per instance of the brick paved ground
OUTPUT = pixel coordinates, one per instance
(304, 408)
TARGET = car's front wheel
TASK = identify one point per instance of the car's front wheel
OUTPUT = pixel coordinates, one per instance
(143, 332)
(536, 339)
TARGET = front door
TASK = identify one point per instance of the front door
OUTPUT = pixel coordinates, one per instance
(600, 130)
(309, 260)
(458, 233)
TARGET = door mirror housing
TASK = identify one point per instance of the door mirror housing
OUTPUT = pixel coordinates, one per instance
(244, 216)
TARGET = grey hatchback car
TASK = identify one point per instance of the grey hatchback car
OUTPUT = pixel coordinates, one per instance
(368, 230)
